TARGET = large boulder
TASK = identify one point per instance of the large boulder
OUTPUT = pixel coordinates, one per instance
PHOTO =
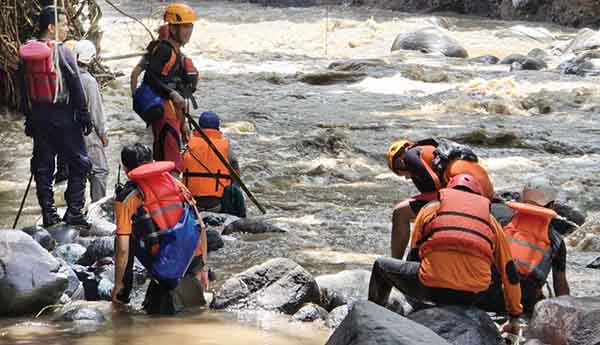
(430, 40)
(567, 320)
(459, 325)
(343, 287)
(278, 284)
(41, 236)
(251, 226)
(29, 275)
(368, 323)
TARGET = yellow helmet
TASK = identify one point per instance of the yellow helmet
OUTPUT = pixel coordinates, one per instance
(396, 148)
(179, 13)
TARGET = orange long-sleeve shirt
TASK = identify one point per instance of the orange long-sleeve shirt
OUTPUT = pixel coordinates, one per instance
(464, 272)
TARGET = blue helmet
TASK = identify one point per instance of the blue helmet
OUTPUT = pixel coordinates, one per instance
(208, 119)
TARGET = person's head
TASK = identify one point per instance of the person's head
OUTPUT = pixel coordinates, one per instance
(50, 27)
(539, 191)
(85, 52)
(466, 183)
(180, 18)
(132, 156)
(209, 120)
(395, 157)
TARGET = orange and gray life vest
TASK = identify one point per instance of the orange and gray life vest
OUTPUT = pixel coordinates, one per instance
(203, 172)
(461, 224)
(528, 234)
(163, 199)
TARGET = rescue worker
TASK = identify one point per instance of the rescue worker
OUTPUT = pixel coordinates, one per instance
(206, 176)
(85, 53)
(163, 34)
(56, 116)
(167, 78)
(536, 246)
(150, 206)
(456, 242)
(430, 164)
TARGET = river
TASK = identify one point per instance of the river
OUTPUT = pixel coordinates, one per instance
(315, 155)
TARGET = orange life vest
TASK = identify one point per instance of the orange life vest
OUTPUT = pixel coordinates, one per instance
(203, 173)
(163, 198)
(461, 224)
(529, 239)
(40, 75)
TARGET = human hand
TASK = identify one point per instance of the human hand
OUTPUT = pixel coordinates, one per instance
(203, 275)
(512, 326)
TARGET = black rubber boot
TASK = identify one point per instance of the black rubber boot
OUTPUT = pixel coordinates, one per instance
(62, 170)
(75, 197)
(45, 195)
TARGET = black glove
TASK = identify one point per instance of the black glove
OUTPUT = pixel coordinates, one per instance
(86, 122)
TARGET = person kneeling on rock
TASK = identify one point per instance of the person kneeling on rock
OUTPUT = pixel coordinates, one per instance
(157, 222)
(455, 244)
(206, 176)
(536, 246)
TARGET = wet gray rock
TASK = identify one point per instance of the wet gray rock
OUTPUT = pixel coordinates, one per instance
(88, 281)
(63, 234)
(398, 303)
(71, 253)
(586, 39)
(430, 40)
(101, 216)
(481, 137)
(538, 53)
(522, 62)
(41, 236)
(567, 320)
(569, 212)
(74, 287)
(251, 226)
(214, 239)
(278, 284)
(584, 65)
(459, 325)
(343, 287)
(427, 75)
(521, 31)
(336, 316)
(369, 323)
(29, 275)
(99, 248)
(485, 59)
(330, 77)
(105, 275)
(594, 264)
(310, 312)
(356, 64)
(84, 311)
(333, 141)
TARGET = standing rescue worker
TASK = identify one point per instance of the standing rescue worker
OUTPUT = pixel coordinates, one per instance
(456, 242)
(207, 178)
(158, 224)
(536, 246)
(430, 165)
(171, 76)
(56, 116)
(85, 53)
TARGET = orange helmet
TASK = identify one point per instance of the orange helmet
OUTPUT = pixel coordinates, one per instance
(179, 13)
(465, 181)
(397, 147)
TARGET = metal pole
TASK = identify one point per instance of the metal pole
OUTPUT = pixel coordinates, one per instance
(23, 201)
(224, 161)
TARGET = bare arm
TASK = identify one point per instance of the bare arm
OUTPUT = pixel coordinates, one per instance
(122, 256)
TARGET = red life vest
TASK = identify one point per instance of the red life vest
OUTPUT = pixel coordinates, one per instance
(529, 239)
(461, 224)
(40, 75)
(203, 172)
(163, 198)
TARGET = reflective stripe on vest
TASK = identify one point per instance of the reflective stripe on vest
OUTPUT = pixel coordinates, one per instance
(461, 224)
(529, 241)
(203, 173)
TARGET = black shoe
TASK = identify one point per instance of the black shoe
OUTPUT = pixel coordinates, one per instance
(76, 219)
(50, 218)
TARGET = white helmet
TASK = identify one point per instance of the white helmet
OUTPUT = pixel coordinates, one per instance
(540, 191)
(85, 51)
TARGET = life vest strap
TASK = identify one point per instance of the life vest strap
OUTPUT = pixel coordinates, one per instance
(454, 228)
(166, 209)
(528, 245)
(462, 214)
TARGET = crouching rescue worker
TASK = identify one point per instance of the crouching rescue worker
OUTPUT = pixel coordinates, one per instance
(169, 79)
(57, 116)
(207, 178)
(430, 164)
(536, 247)
(158, 223)
(456, 243)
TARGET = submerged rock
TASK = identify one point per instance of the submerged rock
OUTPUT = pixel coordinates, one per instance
(459, 325)
(251, 226)
(356, 65)
(310, 312)
(29, 275)
(278, 284)
(368, 323)
(523, 62)
(485, 59)
(430, 40)
(567, 320)
(481, 137)
(331, 77)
